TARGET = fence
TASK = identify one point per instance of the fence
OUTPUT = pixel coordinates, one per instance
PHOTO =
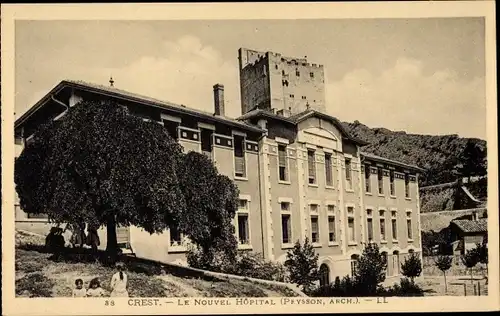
(474, 289)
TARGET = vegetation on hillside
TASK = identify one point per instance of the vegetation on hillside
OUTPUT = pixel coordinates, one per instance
(37, 275)
(443, 157)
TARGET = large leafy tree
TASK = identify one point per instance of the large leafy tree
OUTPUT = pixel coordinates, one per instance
(102, 166)
(211, 204)
(473, 159)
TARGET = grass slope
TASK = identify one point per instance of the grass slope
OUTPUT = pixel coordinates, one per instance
(39, 276)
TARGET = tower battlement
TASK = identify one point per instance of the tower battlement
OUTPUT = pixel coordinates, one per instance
(270, 80)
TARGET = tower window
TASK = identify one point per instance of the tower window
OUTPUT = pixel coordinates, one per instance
(292, 96)
(297, 73)
(303, 97)
(311, 74)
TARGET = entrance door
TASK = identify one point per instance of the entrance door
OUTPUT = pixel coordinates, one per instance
(324, 273)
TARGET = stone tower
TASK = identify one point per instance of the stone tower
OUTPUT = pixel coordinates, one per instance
(271, 81)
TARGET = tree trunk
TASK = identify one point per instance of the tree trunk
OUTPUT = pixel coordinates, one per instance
(112, 243)
(445, 285)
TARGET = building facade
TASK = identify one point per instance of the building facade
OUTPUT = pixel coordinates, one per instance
(299, 172)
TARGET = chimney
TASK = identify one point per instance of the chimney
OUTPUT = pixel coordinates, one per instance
(475, 216)
(219, 99)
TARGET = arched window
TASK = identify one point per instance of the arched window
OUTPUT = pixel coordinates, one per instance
(395, 258)
(354, 264)
(324, 275)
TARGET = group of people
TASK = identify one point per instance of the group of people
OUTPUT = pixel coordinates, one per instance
(80, 235)
(118, 286)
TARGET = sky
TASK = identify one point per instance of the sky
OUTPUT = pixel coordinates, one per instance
(423, 76)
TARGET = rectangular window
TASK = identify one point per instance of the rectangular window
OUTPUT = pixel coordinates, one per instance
(350, 224)
(369, 224)
(392, 186)
(407, 185)
(243, 205)
(292, 96)
(408, 225)
(328, 170)
(314, 229)
(286, 228)
(206, 140)
(297, 73)
(239, 156)
(331, 208)
(243, 229)
(311, 74)
(348, 177)
(380, 175)
(304, 97)
(172, 128)
(382, 225)
(311, 164)
(331, 228)
(313, 208)
(394, 226)
(350, 211)
(37, 216)
(368, 186)
(285, 206)
(283, 163)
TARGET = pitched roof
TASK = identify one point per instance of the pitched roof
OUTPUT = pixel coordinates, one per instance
(297, 118)
(134, 97)
(472, 226)
(390, 161)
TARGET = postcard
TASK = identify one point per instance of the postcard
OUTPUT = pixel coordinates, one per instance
(249, 158)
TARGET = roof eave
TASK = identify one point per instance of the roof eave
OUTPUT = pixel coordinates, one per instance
(393, 162)
(26, 115)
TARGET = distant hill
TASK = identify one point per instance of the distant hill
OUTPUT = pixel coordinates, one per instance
(439, 155)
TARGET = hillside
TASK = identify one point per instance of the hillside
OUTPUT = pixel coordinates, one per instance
(439, 155)
(39, 276)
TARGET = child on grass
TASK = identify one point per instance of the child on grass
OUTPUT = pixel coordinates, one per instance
(95, 289)
(79, 290)
(119, 282)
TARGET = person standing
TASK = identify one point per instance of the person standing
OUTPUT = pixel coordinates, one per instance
(93, 240)
(119, 282)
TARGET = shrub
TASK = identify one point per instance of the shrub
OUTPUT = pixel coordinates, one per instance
(253, 265)
(217, 261)
(412, 267)
(302, 265)
(35, 285)
(247, 264)
(341, 288)
(406, 287)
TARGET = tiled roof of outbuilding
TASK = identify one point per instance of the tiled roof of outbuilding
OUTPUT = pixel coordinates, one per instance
(472, 226)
